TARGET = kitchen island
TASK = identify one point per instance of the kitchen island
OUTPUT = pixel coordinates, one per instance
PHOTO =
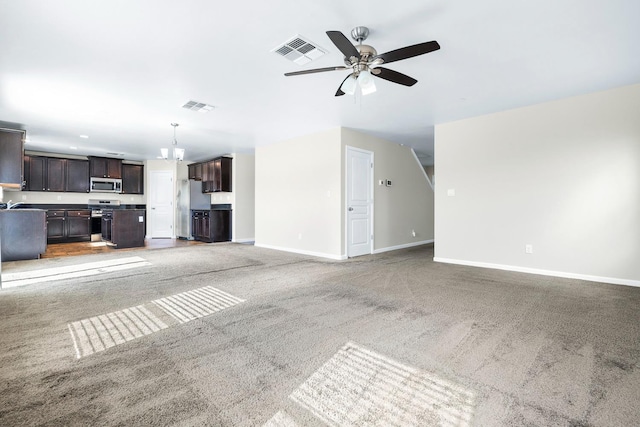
(124, 228)
(24, 234)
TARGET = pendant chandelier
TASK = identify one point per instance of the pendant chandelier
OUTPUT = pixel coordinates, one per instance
(178, 153)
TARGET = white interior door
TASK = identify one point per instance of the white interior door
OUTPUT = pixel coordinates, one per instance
(160, 204)
(359, 202)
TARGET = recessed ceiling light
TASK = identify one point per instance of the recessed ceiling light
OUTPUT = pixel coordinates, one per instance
(84, 136)
(73, 148)
(27, 140)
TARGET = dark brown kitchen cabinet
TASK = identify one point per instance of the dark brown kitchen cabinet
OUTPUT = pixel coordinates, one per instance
(132, 179)
(211, 225)
(35, 173)
(77, 178)
(105, 167)
(195, 171)
(68, 226)
(11, 152)
(216, 175)
(55, 226)
(55, 174)
(124, 228)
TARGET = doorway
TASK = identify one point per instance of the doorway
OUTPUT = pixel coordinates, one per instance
(359, 202)
(160, 209)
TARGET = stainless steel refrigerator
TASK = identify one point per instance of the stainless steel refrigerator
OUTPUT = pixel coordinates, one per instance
(190, 196)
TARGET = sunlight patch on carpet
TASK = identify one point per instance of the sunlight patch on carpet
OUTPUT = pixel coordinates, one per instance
(187, 306)
(102, 332)
(359, 387)
(11, 280)
(108, 330)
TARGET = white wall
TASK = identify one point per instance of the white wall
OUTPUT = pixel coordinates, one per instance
(563, 176)
(298, 195)
(244, 183)
(404, 207)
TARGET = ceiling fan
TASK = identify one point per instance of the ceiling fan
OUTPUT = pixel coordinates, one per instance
(365, 62)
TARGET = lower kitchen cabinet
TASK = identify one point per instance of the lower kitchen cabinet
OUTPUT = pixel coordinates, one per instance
(68, 226)
(124, 228)
(211, 225)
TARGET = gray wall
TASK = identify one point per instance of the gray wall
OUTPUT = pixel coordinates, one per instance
(563, 176)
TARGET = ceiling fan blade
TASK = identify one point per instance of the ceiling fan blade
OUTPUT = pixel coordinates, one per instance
(343, 44)
(393, 76)
(316, 70)
(340, 92)
(408, 52)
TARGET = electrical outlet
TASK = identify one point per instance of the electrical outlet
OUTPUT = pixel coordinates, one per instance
(24, 197)
(381, 182)
(388, 183)
(528, 249)
(451, 192)
(413, 233)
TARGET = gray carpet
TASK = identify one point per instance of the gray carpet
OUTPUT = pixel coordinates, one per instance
(231, 334)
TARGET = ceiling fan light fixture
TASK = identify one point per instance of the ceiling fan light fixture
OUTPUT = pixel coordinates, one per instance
(164, 153)
(349, 85)
(178, 153)
(365, 80)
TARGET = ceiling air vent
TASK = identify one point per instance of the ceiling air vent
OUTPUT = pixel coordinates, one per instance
(200, 107)
(299, 50)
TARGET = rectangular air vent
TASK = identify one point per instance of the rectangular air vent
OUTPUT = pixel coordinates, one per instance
(299, 50)
(200, 107)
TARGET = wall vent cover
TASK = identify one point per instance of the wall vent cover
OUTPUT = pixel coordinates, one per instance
(299, 50)
(200, 107)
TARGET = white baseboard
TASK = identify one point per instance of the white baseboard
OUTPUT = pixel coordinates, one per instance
(302, 252)
(251, 239)
(403, 246)
(611, 280)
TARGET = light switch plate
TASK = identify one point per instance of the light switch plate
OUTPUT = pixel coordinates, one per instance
(451, 192)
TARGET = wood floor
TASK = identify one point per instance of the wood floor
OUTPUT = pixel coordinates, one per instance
(56, 250)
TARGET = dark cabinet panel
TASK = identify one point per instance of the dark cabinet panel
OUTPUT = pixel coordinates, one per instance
(68, 225)
(114, 168)
(55, 226)
(36, 167)
(77, 179)
(11, 153)
(216, 175)
(104, 167)
(78, 224)
(132, 179)
(56, 174)
(195, 171)
(211, 225)
(128, 228)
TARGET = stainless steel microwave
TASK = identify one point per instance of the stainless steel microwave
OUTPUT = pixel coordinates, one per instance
(106, 185)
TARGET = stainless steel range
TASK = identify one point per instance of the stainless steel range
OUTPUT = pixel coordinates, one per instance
(96, 206)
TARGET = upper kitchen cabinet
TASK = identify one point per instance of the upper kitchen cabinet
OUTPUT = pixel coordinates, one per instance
(216, 175)
(104, 167)
(35, 169)
(11, 152)
(56, 174)
(77, 179)
(195, 171)
(132, 179)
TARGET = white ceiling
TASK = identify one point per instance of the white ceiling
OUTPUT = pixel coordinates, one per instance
(119, 71)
